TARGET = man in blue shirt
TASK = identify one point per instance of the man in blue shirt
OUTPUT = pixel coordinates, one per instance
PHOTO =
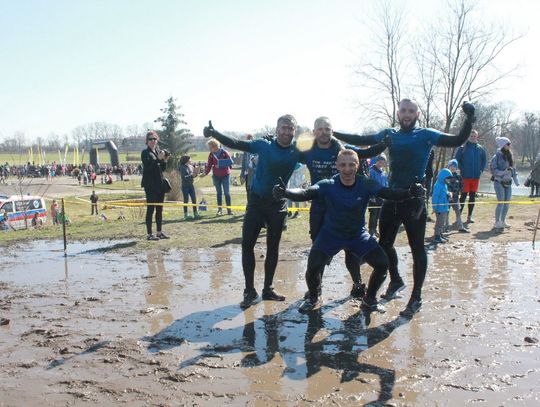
(409, 154)
(472, 161)
(276, 160)
(346, 197)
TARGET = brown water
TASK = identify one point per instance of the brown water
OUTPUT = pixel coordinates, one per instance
(166, 329)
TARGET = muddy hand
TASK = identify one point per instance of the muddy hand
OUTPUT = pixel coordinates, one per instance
(416, 190)
(469, 110)
(279, 190)
(209, 130)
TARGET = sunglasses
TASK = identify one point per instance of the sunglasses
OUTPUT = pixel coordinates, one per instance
(152, 139)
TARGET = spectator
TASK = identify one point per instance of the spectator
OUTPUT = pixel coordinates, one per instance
(220, 163)
(94, 203)
(187, 174)
(472, 161)
(440, 203)
(503, 173)
(54, 212)
(154, 163)
(249, 165)
(455, 184)
(377, 173)
(534, 178)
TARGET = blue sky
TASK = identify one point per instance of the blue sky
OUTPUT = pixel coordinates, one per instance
(239, 63)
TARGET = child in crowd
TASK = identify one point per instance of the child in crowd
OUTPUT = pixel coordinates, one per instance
(378, 173)
(455, 185)
(440, 202)
(187, 174)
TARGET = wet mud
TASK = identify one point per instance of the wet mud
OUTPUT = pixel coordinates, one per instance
(165, 329)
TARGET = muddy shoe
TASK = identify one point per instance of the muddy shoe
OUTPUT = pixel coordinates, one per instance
(152, 237)
(393, 289)
(308, 305)
(306, 294)
(250, 298)
(270, 295)
(358, 290)
(372, 305)
(438, 239)
(413, 306)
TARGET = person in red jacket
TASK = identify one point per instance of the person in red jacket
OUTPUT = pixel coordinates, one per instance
(220, 163)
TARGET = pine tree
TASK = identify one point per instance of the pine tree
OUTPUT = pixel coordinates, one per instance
(172, 138)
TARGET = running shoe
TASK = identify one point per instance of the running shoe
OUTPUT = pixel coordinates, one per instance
(308, 305)
(372, 305)
(250, 298)
(269, 294)
(413, 306)
(393, 289)
(161, 235)
(358, 290)
(152, 237)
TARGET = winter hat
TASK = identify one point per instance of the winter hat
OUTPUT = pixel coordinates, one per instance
(502, 141)
(453, 162)
(378, 158)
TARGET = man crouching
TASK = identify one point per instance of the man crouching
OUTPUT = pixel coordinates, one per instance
(346, 196)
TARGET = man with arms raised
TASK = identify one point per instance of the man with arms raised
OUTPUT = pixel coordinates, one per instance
(408, 153)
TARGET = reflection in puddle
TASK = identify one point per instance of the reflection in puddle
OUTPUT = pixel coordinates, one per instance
(480, 301)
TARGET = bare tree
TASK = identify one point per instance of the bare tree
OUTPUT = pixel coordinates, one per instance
(384, 71)
(464, 52)
(526, 137)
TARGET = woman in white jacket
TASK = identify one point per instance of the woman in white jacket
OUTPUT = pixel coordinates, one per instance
(504, 173)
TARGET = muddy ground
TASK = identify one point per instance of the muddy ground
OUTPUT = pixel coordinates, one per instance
(165, 329)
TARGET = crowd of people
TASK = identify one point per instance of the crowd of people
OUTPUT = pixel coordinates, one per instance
(85, 173)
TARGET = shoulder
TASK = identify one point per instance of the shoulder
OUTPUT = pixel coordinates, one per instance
(429, 131)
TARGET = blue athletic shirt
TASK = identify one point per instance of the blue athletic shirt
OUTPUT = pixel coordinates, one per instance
(409, 154)
(346, 206)
(274, 162)
(321, 162)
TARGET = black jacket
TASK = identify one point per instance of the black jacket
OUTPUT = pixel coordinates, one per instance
(152, 170)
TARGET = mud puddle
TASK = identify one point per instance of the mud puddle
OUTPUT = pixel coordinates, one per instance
(165, 329)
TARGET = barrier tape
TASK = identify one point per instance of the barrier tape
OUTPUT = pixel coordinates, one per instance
(141, 203)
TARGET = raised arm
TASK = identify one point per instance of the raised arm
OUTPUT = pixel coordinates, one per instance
(449, 140)
(295, 194)
(355, 139)
(373, 150)
(230, 142)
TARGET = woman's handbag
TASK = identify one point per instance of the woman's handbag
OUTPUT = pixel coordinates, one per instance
(165, 185)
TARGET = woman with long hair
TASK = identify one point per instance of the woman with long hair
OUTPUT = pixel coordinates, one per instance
(154, 162)
(503, 174)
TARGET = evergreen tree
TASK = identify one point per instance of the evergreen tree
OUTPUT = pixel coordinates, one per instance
(174, 137)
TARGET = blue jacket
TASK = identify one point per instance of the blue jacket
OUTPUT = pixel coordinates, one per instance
(378, 175)
(472, 160)
(439, 199)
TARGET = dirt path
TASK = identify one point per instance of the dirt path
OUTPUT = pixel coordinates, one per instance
(156, 329)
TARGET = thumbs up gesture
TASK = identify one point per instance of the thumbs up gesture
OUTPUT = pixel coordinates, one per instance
(209, 130)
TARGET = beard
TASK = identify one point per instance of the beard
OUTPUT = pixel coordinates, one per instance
(409, 127)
